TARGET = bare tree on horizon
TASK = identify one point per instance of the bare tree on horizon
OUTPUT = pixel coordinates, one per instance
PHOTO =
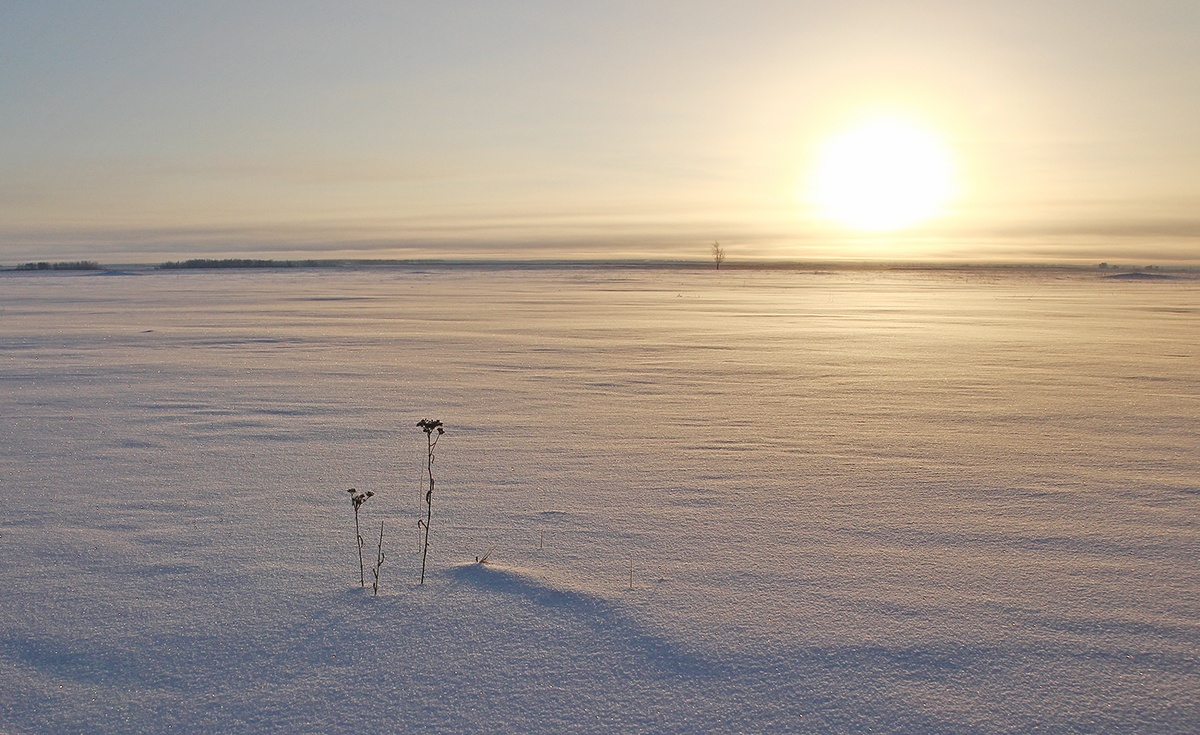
(718, 253)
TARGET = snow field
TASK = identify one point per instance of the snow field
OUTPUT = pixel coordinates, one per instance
(929, 502)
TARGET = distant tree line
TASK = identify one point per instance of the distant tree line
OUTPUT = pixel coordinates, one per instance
(238, 263)
(77, 265)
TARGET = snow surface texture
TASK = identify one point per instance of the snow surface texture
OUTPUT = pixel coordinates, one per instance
(891, 502)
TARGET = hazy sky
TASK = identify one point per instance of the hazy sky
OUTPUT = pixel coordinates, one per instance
(134, 130)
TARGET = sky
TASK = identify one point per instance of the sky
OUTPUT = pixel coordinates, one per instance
(133, 131)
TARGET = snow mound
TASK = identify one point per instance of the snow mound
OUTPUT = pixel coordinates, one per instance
(605, 619)
(525, 584)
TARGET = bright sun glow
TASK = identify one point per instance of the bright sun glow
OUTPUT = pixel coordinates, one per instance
(882, 174)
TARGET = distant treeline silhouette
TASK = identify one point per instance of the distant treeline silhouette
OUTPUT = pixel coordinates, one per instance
(239, 263)
(77, 265)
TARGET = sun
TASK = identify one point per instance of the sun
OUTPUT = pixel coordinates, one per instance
(882, 174)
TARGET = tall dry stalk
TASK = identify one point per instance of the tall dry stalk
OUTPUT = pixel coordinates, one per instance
(357, 499)
(433, 431)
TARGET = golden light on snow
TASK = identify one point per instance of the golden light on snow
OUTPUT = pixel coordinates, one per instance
(883, 173)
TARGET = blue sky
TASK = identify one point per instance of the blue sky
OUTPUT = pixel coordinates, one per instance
(138, 130)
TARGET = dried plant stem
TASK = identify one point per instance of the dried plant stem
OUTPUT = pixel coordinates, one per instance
(357, 499)
(428, 518)
(433, 431)
(362, 582)
(379, 557)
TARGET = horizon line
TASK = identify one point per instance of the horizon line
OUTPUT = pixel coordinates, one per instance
(252, 263)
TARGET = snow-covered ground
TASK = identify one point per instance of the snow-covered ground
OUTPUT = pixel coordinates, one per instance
(854, 501)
